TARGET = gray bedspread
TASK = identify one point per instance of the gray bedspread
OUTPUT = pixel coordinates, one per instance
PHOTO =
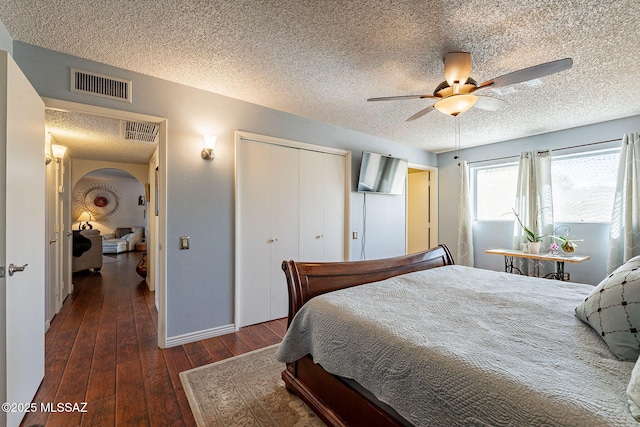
(458, 346)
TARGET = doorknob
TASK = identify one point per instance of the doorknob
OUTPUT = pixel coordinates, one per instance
(52, 241)
(16, 269)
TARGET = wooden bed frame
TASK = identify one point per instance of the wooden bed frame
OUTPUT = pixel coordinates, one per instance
(332, 399)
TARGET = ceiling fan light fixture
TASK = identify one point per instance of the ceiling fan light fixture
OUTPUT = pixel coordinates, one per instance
(455, 104)
(455, 95)
(457, 68)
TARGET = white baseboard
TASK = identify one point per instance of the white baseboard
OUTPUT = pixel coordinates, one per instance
(199, 335)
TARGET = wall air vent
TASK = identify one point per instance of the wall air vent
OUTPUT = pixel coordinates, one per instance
(140, 131)
(100, 85)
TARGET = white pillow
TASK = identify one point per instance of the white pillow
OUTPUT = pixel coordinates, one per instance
(612, 309)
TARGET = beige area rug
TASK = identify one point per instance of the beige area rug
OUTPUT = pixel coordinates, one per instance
(246, 390)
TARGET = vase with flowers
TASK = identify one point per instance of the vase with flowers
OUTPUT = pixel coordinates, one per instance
(567, 244)
(534, 240)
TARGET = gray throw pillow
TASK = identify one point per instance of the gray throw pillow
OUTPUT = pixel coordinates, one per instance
(613, 310)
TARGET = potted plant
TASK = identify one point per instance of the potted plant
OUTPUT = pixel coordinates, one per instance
(566, 244)
(533, 240)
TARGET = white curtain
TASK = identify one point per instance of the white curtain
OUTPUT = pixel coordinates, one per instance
(624, 237)
(465, 220)
(534, 201)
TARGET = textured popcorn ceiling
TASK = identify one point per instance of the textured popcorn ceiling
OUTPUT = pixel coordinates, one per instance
(92, 137)
(323, 59)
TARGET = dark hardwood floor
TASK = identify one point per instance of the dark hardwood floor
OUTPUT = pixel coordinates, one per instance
(102, 349)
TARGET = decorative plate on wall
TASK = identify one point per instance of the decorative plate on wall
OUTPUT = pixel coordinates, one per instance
(99, 199)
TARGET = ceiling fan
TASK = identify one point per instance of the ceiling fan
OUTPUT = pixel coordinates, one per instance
(457, 93)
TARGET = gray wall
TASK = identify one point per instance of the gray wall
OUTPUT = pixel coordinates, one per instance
(489, 235)
(6, 42)
(200, 196)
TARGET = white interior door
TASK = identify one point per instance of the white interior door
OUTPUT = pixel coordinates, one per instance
(281, 187)
(311, 206)
(24, 231)
(285, 177)
(322, 206)
(334, 205)
(254, 227)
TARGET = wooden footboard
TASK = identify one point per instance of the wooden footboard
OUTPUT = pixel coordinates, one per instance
(334, 401)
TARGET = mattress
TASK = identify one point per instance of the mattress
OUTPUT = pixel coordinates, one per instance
(461, 346)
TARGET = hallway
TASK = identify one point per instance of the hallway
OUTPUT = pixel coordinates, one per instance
(102, 349)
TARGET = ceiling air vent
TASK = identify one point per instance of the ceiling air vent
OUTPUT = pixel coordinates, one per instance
(140, 131)
(100, 85)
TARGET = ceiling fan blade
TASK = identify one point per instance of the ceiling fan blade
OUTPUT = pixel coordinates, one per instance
(530, 73)
(457, 68)
(489, 104)
(421, 113)
(398, 98)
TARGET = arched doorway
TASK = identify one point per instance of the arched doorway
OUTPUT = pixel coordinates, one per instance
(110, 198)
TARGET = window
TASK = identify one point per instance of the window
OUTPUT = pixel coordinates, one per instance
(584, 186)
(495, 191)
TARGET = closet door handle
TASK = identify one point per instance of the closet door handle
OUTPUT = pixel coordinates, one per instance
(319, 236)
(275, 239)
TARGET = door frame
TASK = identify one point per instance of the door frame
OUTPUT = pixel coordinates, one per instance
(54, 234)
(160, 238)
(254, 137)
(433, 204)
(58, 228)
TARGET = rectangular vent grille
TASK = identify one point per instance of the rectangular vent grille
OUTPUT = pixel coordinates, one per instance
(99, 85)
(139, 131)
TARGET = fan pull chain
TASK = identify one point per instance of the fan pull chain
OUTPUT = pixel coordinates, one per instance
(457, 137)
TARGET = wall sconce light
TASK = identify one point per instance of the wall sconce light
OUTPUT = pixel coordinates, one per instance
(58, 153)
(58, 150)
(209, 146)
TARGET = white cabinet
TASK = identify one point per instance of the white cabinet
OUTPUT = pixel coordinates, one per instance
(290, 205)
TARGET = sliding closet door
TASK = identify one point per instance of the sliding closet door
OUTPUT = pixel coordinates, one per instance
(268, 202)
(283, 242)
(322, 206)
(254, 247)
(311, 206)
(291, 205)
(333, 208)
